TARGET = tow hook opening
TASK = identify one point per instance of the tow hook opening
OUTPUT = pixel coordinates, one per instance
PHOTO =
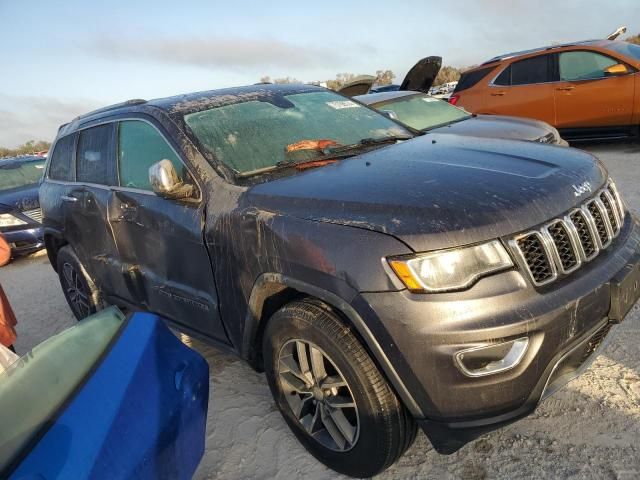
(491, 359)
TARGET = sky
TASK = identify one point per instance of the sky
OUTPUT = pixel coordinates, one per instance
(65, 57)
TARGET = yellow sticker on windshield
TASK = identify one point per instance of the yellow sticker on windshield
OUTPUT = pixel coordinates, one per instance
(339, 104)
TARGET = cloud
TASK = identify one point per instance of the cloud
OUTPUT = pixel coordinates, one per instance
(229, 53)
(24, 118)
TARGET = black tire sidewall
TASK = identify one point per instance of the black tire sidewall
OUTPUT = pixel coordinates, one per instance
(366, 458)
(66, 255)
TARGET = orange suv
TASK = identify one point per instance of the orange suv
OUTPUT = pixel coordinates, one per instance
(585, 89)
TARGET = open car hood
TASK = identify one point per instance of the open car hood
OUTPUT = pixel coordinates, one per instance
(358, 86)
(422, 75)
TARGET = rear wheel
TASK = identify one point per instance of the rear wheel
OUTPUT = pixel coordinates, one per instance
(80, 291)
(331, 394)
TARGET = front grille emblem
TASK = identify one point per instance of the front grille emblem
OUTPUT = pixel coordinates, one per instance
(581, 189)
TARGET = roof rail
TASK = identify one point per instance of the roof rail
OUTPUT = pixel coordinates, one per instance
(135, 101)
(505, 56)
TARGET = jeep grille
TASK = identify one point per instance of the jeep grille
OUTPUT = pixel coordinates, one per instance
(563, 244)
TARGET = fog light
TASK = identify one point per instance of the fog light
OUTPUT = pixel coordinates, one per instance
(491, 359)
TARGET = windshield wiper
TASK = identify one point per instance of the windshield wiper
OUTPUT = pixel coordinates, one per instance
(330, 153)
(444, 124)
(366, 142)
(282, 164)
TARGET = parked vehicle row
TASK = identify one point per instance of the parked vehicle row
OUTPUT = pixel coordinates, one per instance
(410, 104)
(20, 214)
(587, 90)
(383, 279)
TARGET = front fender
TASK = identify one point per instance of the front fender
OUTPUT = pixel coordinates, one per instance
(270, 284)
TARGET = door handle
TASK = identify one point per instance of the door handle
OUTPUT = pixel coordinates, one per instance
(566, 89)
(67, 198)
(497, 94)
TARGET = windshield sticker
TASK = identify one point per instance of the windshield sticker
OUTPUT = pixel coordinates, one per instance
(40, 167)
(343, 104)
(429, 99)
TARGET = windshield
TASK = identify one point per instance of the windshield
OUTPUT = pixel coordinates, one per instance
(255, 135)
(422, 112)
(20, 174)
(625, 48)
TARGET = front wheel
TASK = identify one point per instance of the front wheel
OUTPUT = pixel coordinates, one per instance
(80, 291)
(330, 392)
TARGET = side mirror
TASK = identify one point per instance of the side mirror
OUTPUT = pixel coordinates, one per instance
(166, 183)
(616, 70)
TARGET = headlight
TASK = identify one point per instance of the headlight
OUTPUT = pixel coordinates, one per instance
(448, 270)
(7, 220)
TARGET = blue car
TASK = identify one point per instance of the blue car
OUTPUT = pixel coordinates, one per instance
(20, 214)
(114, 397)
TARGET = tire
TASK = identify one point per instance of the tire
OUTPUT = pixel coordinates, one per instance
(378, 430)
(79, 289)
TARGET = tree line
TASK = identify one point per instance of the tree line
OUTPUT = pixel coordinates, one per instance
(27, 148)
(383, 77)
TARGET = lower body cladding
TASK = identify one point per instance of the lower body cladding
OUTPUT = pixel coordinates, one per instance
(25, 241)
(477, 360)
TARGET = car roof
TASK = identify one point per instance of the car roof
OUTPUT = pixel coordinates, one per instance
(373, 98)
(191, 102)
(522, 53)
(179, 105)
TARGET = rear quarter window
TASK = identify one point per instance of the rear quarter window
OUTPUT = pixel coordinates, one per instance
(469, 79)
(61, 167)
(95, 159)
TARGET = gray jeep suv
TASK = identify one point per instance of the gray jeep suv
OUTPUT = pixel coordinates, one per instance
(382, 281)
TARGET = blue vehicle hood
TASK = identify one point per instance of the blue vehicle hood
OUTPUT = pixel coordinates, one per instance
(141, 413)
(25, 198)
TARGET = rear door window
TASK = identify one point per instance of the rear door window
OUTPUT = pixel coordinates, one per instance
(583, 65)
(140, 145)
(62, 160)
(528, 71)
(95, 162)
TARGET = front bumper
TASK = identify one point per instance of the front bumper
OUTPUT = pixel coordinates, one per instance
(25, 241)
(562, 321)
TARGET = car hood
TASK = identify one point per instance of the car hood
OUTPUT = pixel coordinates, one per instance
(498, 126)
(358, 86)
(437, 191)
(422, 75)
(25, 198)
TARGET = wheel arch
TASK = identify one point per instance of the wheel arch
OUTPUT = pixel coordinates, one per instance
(271, 291)
(53, 241)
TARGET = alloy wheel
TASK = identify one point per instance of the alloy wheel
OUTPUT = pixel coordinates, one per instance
(76, 292)
(318, 395)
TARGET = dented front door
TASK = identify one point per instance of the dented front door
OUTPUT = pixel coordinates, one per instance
(160, 241)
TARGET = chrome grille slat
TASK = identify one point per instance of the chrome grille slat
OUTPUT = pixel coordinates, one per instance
(564, 248)
(564, 244)
(586, 235)
(596, 217)
(34, 214)
(612, 212)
